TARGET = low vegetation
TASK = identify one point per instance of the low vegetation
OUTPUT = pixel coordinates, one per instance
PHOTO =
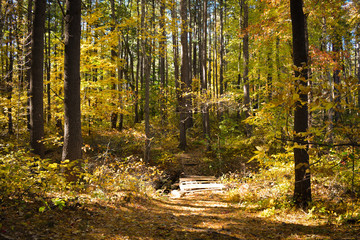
(133, 197)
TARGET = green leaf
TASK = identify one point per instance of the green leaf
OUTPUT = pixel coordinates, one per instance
(42, 209)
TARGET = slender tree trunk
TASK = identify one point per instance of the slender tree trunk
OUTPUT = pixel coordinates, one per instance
(204, 80)
(72, 127)
(184, 74)
(189, 97)
(191, 24)
(9, 78)
(239, 77)
(336, 77)
(269, 75)
(215, 54)
(246, 87)
(162, 61)
(1, 23)
(147, 68)
(302, 191)
(209, 57)
(48, 66)
(138, 66)
(221, 77)
(36, 79)
(358, 73)
(195, 45)
(28, 58)
(278, 66)
(114, 114)
(175, 49)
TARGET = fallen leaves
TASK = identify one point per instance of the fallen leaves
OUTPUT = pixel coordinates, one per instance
(193, 216)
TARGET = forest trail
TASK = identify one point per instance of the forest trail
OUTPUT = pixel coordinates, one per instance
(193, 216)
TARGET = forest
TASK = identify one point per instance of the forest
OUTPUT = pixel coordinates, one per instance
(106, 104)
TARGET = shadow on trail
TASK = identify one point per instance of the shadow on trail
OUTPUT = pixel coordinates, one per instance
(160, 219)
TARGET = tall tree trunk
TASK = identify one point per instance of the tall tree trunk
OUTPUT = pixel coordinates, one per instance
(215, 54)
(72, 126)
(278, 66)
(175, 49)
(121, 86)
(204, 82)
(270, 74)
(162, 61)
(221, 77)
(337, 46)
(239, 77)
(36, 79)
(28, 58)
(302, 191)
(9, 77)
(189, 97)
(358, 75)
(184, 74)
(138, 66)
(246, 87)
(146, 50)
(48, 65)
(114, 114)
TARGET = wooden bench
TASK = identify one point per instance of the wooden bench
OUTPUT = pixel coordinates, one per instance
(200, 183)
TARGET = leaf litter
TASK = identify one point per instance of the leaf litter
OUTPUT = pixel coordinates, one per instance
(192, 216)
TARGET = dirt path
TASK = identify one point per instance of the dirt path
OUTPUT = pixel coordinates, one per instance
(190, 217)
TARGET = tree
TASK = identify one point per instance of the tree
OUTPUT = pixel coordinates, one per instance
(222, 48)
(184, 74)
(302, 191)
(146, 51)
(245, 7)
(204, 80)
(36, 79)
(175, 48)
(72, 126)
(162, 61)
(114, 115)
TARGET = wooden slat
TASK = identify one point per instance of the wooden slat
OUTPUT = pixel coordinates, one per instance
(210, 186)
(200, 183)
(198, 178)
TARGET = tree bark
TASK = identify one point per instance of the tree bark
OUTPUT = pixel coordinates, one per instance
(246, 86)
(72, 126)
(147, 68)
(270, 70)
(114, 114)
(162, 62)
(36, 79)
(48, 64)
(28, 58)
(175, 50)
(336, 76)
(222, 50)
(184, 74)
(302, 191)
(9, 76)
(204, 80)
(138, 66)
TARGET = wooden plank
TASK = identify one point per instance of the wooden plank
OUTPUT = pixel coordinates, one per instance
(200, 183)
(198, 178)
(215, 186)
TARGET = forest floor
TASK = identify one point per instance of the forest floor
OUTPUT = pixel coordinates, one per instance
(193, 216)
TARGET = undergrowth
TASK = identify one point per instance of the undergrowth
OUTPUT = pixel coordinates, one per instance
(269, 191)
